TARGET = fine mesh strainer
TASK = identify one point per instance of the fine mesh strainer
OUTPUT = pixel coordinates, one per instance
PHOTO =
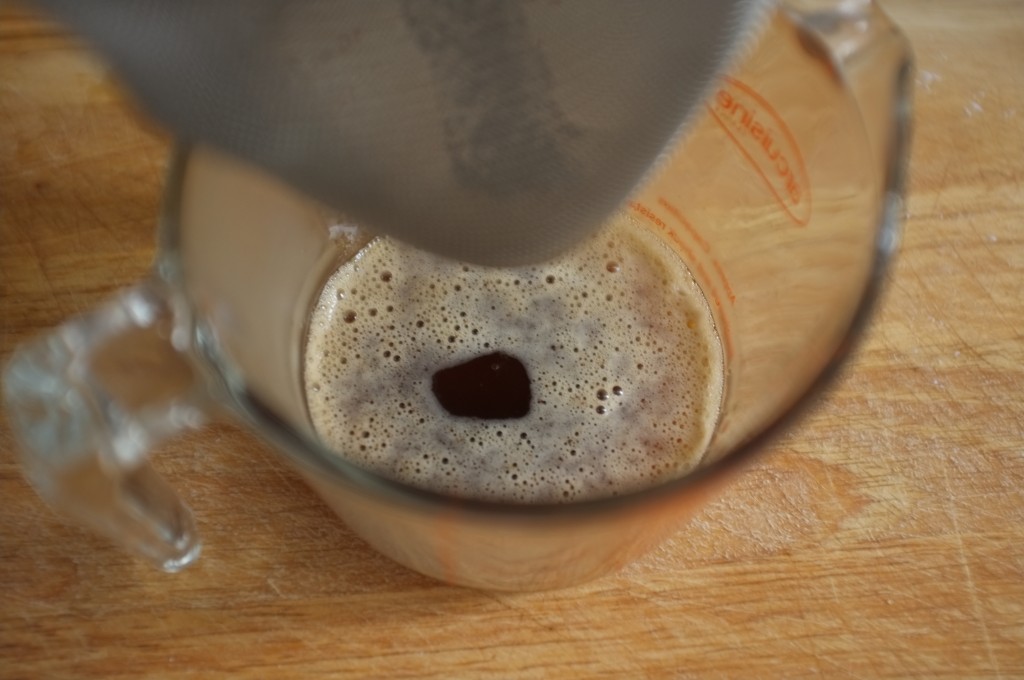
(494, 131)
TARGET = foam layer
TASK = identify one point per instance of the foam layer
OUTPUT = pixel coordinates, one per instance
(623, 359)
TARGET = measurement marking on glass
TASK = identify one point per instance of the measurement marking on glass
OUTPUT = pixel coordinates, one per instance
(764, 139)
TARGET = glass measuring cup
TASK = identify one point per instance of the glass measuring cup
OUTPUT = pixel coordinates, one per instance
(782, 201)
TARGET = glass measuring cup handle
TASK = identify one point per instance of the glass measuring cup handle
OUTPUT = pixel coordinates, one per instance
(90, 399)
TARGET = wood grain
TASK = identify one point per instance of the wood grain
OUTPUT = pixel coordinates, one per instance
(882, 539)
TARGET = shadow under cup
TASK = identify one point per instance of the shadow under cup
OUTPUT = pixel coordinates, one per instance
(781, 200)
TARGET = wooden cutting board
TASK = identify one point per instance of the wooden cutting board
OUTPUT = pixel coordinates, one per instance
(884, 538)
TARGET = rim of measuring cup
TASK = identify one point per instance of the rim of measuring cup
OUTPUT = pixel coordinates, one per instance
(316, 457)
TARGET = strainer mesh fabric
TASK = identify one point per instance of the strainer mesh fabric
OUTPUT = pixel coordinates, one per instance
(495, 131)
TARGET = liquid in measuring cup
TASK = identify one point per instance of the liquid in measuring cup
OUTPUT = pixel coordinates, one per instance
(613, 344)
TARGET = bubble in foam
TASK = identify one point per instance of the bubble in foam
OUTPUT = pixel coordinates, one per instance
(600, 423)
